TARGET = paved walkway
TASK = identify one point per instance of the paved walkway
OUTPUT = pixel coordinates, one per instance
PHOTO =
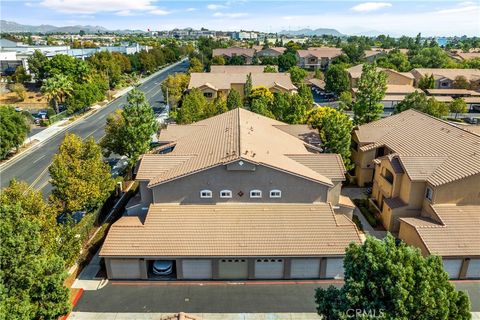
(203, 316)
(87, 279)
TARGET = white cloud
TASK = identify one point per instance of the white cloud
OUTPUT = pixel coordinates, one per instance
(230, 15)
(160, 12)
(119, 7)
(371, 6)
(215, 7)
(191, 9)
(462, 7)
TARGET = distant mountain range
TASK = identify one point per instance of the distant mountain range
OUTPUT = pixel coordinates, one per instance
(310, 32)
(13, 27)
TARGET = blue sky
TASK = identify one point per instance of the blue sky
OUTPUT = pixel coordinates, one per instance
(351, 17)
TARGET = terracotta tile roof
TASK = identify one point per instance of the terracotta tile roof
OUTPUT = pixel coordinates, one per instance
(224, 81)
(320, 52)
(234, 135)
(394, 203)
(153, 165)
(174, 132)
(453, 91)
(248, 230)
(458, 233)
(277, 49)
(327, 164)
(451, 152)
(229, 52)
(356, 71)
(469, 74)
(468, 55)
(397, 89)
(318, 83)
(345, 201)
(237, 69)
(303, 132)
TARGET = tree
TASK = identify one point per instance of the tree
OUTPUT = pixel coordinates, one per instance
(319, 74)
(21, 75)
(37, 63)
(194, 107)
(84, 95)
(234, 100)
(56, 89)
(345, 101)
(260, 101)
(355, 52)
(270, 69)
(80, 178)
(111, 64)
(395, 60)
(195, 65)
(305, 93)
(371, 90)
(13, 130)
(426, 82)
(236, 60)
(395, 282)
(218, 60)
(431, 58)
(335, 129)
(336, 79)
(31, 277)
(461, 82)
(67, 66)
(286, 61)
(247, 89)
(297, 75)
(422, 103)
(129, 132)
(173, 88)
(20, 90)
(458, 106)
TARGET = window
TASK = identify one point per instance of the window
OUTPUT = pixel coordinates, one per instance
(255, 194)
(444, 84)
(205, 194)
(388, 176)
(275, 194)
(208, 94)
(429, 194)
(225, 194)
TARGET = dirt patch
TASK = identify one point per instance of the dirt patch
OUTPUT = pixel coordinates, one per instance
(34, 100)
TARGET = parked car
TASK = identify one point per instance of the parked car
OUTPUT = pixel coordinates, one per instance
(162, 267)
(76, 217)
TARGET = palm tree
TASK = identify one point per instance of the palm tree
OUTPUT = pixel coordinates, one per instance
(57, 88)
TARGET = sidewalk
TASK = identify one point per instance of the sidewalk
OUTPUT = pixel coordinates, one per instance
(87, 280)
(202, 316)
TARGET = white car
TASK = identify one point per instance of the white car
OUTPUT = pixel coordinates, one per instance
(162, 267)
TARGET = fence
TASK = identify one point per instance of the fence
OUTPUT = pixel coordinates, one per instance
(57, 117)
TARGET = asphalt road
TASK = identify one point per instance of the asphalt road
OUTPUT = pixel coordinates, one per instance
(217, 297)
(33, 168)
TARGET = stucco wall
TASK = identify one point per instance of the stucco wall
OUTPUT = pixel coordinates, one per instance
(187, 189)
(410, 236)
(464, 191)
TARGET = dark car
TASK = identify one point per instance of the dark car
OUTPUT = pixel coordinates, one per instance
(76, 217)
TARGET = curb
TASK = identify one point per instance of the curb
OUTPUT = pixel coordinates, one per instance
(27, 151)
(74, 302)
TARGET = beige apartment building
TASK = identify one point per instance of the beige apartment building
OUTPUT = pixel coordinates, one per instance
(216, 83)
(425, 177)
(236, 196)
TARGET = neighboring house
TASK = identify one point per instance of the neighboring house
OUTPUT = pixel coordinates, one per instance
(393, 77)
(237, 69)
(399, 84)
(444, 78)
(227, 53)
(213, 84)
(471, 98)
(425, 176)
(317, 58)
(273, 52)
(372, 55)
(237, 196)
(465, 55)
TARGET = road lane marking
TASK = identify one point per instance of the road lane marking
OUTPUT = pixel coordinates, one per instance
(38, 159)
(39, 177)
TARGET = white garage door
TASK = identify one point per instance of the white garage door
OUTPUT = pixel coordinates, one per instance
(125, 269)
(305, 268)
(233, 269)
(452, 267)
(269, 268)
(197, 269)
(334, 268)
(473, 271)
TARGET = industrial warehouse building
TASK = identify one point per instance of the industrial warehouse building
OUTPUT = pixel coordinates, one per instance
(236, 196)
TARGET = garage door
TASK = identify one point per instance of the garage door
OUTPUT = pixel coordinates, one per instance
(269, 268)
(125, 269)
(305, 268)
(452, 267)
(473, 271)
(233, 269)
(197, 269)
(334, 268)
